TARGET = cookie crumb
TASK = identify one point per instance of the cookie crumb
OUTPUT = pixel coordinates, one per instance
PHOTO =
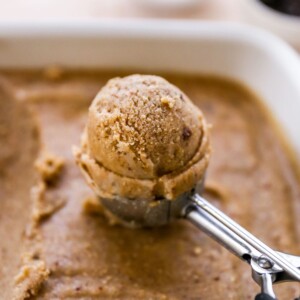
(49, 166)
(197, 250)
(167, 102)
(44, 205)
(53, 72)
(30, 279)
(92, 205)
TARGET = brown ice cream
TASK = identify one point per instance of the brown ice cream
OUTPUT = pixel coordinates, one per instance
(144, 139)
(57, 244)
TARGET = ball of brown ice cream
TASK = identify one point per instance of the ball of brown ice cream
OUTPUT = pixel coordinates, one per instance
(143, 127)
(144, 140)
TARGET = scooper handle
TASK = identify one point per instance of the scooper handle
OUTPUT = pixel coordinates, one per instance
(268, 266)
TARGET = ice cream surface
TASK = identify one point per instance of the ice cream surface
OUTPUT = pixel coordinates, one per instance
(56, 243)
(144, 131)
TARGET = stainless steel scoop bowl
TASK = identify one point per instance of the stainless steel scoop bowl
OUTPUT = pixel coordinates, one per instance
(145, 213)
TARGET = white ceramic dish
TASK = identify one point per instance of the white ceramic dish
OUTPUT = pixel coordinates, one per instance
(260, 60)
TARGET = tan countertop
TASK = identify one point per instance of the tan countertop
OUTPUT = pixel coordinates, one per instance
(82, 9)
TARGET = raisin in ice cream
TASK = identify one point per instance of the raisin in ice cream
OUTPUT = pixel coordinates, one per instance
(144, 139)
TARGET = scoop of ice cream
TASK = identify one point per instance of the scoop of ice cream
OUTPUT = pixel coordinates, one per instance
(144, 140)
(143, 127)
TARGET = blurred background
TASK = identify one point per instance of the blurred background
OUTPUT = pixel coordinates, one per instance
(279, 16)
(41, 9)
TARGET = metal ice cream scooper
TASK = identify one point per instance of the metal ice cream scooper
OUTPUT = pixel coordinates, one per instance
(107, 159)
(268, 266)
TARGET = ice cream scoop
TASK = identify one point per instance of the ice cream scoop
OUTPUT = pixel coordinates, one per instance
(143, 127)
(145, 151)
(144, 141)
